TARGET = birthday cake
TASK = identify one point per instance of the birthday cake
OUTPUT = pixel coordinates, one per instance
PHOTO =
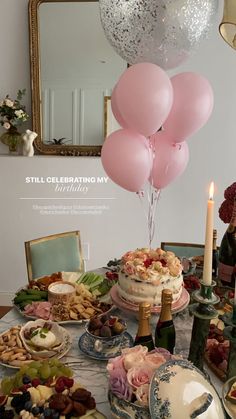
(144, 273)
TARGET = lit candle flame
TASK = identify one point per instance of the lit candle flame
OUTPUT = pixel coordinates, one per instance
(211, 191)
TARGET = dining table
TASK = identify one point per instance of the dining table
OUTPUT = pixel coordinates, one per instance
(92, 373)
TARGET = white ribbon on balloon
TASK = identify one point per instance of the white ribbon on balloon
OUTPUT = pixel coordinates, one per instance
(153, 196)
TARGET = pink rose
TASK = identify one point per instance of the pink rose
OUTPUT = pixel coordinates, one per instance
(141, 256)
(119, 386)
(142, 395)
(116, 364)
(6, 125)
(154, 360)
(134, 356)
(135, 349)
(161, 351)
(138, 376)
(129, 269)
(127, 256)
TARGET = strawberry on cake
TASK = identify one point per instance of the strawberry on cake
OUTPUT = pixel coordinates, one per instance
(146, 272)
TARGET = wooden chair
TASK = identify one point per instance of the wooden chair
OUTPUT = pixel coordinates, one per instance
(55, 253)
(184, 249)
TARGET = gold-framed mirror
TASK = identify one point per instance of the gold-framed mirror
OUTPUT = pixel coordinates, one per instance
(73, 70)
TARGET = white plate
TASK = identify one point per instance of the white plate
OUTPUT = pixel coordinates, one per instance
(62, 322)
(62, 352)
(229, 407)
(26, 316)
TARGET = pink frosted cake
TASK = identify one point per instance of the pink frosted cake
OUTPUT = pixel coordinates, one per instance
(145, 273)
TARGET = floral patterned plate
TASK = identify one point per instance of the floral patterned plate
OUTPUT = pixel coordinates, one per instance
(86, 345)
(179, 390)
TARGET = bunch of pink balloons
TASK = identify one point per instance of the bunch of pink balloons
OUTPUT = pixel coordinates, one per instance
(144, 101)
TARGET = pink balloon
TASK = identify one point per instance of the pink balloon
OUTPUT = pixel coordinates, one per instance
(144, 96)
(116, 111)
(170, 160)
(127, 159)
(192, 105)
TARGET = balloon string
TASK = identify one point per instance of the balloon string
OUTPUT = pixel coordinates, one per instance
(155, 196)
(152, 198)
(141, 196)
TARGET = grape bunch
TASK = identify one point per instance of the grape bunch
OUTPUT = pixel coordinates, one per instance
(42, 370)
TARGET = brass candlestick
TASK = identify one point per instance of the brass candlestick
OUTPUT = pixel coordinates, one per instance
(229, 320)
(203, 312)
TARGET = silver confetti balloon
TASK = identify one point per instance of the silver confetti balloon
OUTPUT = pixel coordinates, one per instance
(162, 32)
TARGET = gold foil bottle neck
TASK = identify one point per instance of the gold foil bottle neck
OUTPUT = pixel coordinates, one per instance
(144, 310)
(166, 296)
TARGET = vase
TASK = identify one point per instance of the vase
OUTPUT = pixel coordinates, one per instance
(121, 408)
(11, 138)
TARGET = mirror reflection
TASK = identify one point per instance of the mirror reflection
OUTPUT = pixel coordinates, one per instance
(78, 69)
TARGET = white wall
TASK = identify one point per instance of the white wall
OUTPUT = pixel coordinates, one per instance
(181, 211)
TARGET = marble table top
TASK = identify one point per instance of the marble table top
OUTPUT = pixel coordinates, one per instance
(92, 373)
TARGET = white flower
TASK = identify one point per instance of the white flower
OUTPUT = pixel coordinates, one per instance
(9, 103)
(1, 102)
(6, 125)
(19, 113)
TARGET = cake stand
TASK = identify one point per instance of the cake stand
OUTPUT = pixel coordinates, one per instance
(122, 304)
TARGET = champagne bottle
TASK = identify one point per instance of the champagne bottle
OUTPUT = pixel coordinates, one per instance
(165, 329)
(144, 334)
(214, 256)
(227, 254)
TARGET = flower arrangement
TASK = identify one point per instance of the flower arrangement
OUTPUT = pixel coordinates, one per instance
(130, 373)
(147, 262)
(12, 112)
(226, 208)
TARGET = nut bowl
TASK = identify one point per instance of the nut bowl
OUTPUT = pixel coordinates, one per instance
(106, 332)
(42, 339)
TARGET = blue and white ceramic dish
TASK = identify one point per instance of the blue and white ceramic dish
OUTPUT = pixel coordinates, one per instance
(126, 410)
(86, 345)
(179, 390)
(106, 343)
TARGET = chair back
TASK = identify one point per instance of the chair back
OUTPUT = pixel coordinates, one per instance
(55, 253)
(187, 250)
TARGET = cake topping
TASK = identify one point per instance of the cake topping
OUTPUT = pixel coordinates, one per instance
(145, 262)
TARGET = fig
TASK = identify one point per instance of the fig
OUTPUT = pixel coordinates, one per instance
(94, 324)
(104, 318)
(96, 332)
(58, 402)
(16, 391)
(79, 408)
(80, 395)
(3, 400)
(105, 332)
(90, 403)
(110, 322)
(118, 328)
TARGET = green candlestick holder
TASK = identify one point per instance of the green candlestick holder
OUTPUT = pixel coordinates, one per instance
(229, 320)
(203, 312)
